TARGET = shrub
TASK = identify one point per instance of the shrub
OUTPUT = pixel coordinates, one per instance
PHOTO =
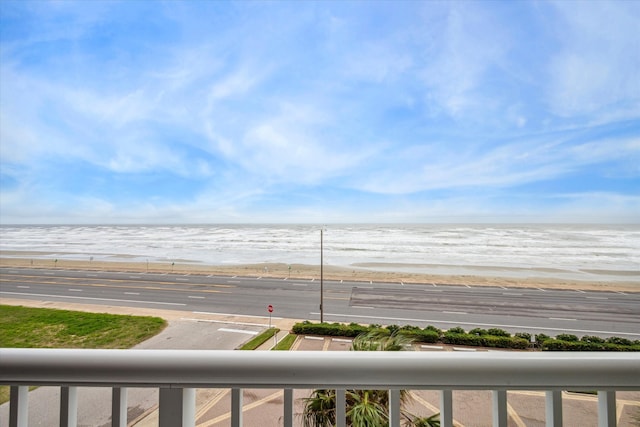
(592, 339)
(619, 340)
(498, 332)
(567, 337)
(456, 330)
(523, 335)
(478, 331)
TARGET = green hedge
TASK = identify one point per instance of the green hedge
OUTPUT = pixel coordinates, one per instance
(485, 341)
(493, 338)
(561, 345)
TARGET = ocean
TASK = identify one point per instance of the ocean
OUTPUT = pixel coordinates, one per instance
(578, 252)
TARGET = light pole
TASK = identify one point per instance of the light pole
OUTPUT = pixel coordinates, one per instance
(321, 279)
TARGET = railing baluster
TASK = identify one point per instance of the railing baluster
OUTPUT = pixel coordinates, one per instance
(236, 407)
(500, 415)
(119, 407)
(68, 406)
(19, 406)
(341, 408)
(394, 407)
(446, 408)
(607, 409)
(177, 407)
(288, 407)
(553, 408)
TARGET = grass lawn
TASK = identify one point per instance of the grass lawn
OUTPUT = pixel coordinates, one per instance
(26, 327)
(260, 339)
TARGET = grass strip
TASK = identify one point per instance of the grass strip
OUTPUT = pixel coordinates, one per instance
(260, 339)
(29, 327)
(286, 342)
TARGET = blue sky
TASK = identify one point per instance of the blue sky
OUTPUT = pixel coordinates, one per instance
(211, 112)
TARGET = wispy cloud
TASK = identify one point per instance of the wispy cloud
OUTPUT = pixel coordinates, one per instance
(209, 111)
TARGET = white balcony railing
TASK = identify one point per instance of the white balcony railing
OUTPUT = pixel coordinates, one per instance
(177, 373)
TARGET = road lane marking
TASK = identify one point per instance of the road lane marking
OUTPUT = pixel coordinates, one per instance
(74, 290)
(226, 322)
(94, 299)
(563, 318)
(621, 293)
(458, 323)
(597, 298)
(132, 293)
(361, 306)
(49, 274)
(236, 315)
(578, 290)
(180, 279)
(238, 331)
(510, 294)
(455, 312)
(195, 297)
(299, 284)
(540, 289)
(24, 287)
(134, 277)
(92, 275)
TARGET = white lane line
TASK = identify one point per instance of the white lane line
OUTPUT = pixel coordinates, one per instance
(286, 278)
(597, 298)
(363, 306)
(563, 318)
(509, 293)
(180, 279)
(621, 293)
(93, 299)
(238, 331)
(227, 322)
(578, 290)
(434, 285)
(233, 277)
(506, 289)
(74, 290)
(134, 277)
(234, 281)
(132, 293)
(92, 275)
(402, 283)
(455, 312)
(468, 286)
(13, 272)
(259, 277)
(299, 284)
(237, 315)
(24, 287)
(459, 323)
(195, 297)
(50, 274)
(540, 289)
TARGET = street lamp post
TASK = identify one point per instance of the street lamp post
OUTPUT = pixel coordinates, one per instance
(321, 279)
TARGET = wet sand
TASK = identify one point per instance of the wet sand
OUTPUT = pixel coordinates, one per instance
(308, 272)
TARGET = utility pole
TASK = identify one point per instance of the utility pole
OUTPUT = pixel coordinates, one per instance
(321, 279)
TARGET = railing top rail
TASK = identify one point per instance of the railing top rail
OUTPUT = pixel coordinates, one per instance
(410, 370)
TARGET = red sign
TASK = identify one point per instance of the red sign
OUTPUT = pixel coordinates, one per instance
(270, 308)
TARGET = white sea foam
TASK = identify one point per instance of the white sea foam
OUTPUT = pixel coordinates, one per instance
(588, 252)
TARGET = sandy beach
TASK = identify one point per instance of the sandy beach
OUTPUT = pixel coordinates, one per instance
(308, 272)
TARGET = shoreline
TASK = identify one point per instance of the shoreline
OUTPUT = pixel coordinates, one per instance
(309, 272)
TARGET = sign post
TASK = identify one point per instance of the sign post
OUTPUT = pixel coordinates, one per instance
(275, 336)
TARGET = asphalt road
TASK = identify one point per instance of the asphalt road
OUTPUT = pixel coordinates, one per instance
(514, 309)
